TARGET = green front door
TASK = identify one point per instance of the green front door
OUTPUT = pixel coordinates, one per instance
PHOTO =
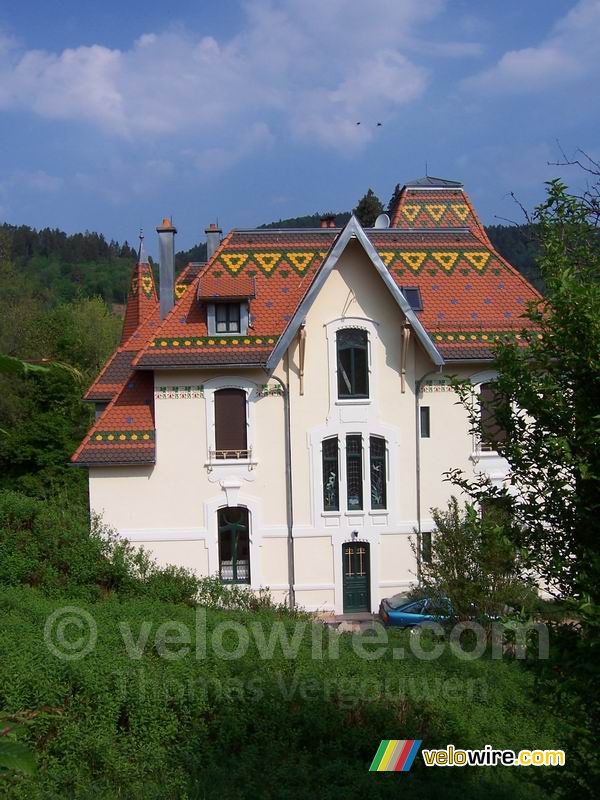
(355, 566)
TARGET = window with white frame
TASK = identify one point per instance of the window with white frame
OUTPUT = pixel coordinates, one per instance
(365, 489)
(227, 318)
(331, 474)
(234, 545)
(352, 351)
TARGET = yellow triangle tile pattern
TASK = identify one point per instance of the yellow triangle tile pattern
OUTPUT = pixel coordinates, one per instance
(479, 260)
(436, 210)
(445, 258)
(234, 261)
(267, 261)
(414, 259)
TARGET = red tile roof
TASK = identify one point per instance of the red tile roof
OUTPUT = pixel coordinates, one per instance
(437, 208)
(471, 297)
(141, 299)
(125, 432)
(226, 288)
(281, 266)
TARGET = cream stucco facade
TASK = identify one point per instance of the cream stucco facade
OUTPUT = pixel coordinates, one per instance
(172, 507)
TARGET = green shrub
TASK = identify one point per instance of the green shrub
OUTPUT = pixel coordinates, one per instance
(109, 726)
(475, 565)
(52, 546)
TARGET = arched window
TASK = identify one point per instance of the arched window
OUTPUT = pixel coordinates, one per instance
(352, 347)
(231, 435)
(234, 545)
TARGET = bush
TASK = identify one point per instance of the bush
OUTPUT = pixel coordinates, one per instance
(474, 564)
(111, 726)
(52, 546)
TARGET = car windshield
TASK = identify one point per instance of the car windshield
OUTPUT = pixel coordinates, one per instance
(399, 600)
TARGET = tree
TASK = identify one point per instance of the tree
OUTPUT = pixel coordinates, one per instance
(474, 564)
(368, 209)
(548, 402)
(548, 399)
(394, 199)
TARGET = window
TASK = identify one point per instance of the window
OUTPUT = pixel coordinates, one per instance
(425, 422)
(413, 297)
(234, 545)
(426, 547)
(331, 478)
(352, 363)
(231, 436)
(491, 432)
(227, 318)
(354, 472)
(378, 472)
(350, 472)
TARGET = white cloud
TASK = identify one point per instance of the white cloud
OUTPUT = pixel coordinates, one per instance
(569, 54)
(308, 68)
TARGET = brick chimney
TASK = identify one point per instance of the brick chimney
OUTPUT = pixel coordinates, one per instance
(166, 252)
(213, 239)
(327, 221)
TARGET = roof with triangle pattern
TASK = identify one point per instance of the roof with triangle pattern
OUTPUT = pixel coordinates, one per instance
(470, 296)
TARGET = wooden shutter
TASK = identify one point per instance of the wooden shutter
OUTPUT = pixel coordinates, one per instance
(230, 419)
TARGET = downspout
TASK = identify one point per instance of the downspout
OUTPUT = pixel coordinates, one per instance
(403, 356)
(418, 385)
(285, 388)
(301, 350)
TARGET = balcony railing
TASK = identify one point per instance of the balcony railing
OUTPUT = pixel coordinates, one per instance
(226, 455)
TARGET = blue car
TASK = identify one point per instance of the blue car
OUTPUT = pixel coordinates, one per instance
(403, 612)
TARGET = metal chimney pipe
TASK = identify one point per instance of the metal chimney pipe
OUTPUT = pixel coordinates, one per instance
(166, 252)
(213, 239)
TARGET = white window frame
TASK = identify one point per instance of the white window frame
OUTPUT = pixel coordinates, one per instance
(366, 473)
(477, 380)
(211, 319)
(252, 393)
(352, 323)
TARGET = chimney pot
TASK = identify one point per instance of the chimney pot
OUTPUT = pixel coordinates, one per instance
(213, 239)
(327, 221)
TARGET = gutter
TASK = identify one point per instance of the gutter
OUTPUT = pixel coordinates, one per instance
(285, 388)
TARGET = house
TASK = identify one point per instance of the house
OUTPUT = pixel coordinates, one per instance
(282, 415)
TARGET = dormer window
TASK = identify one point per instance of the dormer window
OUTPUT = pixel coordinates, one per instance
(227, 317)
(227, 304)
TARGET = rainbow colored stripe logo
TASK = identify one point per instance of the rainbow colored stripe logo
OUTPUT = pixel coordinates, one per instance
(395, 755)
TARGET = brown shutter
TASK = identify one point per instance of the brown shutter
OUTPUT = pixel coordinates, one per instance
(230, 419)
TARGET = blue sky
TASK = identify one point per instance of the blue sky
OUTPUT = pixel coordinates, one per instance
(114, 115)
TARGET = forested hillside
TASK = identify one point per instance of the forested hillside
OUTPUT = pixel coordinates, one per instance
(60, 267)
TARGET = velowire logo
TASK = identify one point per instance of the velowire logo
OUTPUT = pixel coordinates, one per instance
(395, 755)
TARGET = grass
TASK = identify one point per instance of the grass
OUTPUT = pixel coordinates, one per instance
(207, 726)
